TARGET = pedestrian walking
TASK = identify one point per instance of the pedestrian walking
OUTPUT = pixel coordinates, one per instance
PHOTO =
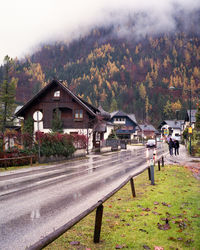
(171, 145)
(176, 146)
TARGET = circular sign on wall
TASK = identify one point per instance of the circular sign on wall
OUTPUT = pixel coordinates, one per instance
(37, 116)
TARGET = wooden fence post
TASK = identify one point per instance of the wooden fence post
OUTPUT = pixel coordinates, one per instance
(152, 171)
(162, 161)
(98, 222)
(149, 173)
(158, 165)
(133, 187)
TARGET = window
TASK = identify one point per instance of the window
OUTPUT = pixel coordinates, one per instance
(120, 120)
(57, 94)
(78, 114)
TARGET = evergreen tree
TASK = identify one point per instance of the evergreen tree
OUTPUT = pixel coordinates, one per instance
(113, 105)
(147, 109)
(7, 95)
(28, 130)
(56, 122)
(197, 124)
(29, 126)
(167, 111)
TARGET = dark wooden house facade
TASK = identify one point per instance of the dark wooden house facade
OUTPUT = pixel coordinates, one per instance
(77, 116)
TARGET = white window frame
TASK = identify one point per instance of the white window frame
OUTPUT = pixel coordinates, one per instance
(78, 114)
(56, 94)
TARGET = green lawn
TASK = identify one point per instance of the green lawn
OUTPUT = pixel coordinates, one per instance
(165, 215)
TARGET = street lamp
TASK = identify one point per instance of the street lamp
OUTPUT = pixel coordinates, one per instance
(190, 115)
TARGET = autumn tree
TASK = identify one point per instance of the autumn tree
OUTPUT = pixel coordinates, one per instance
(7, 95)
(142, 91)
(37, 77)
(170, 109)
(176, 106)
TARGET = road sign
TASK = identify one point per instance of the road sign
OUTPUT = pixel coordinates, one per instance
(190, 130)
(37, 116)
(166, 131)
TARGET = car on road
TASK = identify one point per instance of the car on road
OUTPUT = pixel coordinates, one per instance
(151, 143)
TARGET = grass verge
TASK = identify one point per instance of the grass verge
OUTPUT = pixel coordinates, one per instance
(166, 215)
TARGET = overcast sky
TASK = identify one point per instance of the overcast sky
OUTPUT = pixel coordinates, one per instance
(25, 24)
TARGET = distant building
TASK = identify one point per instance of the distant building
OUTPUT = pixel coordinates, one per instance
(147, 131)
(175, 128)
(102, 129)
(125, 124)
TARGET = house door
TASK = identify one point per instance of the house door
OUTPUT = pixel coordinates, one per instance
(97, 139)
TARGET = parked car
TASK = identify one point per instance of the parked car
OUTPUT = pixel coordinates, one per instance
(151, 143)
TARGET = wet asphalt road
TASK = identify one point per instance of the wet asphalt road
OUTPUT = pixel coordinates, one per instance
(36, 201)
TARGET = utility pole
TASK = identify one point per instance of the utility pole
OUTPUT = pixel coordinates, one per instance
(190, 149)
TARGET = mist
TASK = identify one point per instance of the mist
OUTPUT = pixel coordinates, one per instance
(27, 24)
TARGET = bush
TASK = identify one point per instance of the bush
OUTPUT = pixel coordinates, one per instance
(27, 151)
(55, 144)
(27, 140)
(79, 141)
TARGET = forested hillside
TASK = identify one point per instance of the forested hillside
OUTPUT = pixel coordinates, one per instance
(119, 73)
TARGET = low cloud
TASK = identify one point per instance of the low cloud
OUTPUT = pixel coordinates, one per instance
(29, 23)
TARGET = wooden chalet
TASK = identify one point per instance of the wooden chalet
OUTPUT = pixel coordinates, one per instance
(77, 115)
(126, 124)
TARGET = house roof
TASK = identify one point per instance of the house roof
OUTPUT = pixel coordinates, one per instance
(18, 108)
(172, 123)
(132, 117)
(147, 127)
(106, 115)
(91, 109)
(120, 113)
(100, 127)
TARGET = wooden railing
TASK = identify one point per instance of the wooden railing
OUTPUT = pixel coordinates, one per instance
(99, 209)
(6, 162)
